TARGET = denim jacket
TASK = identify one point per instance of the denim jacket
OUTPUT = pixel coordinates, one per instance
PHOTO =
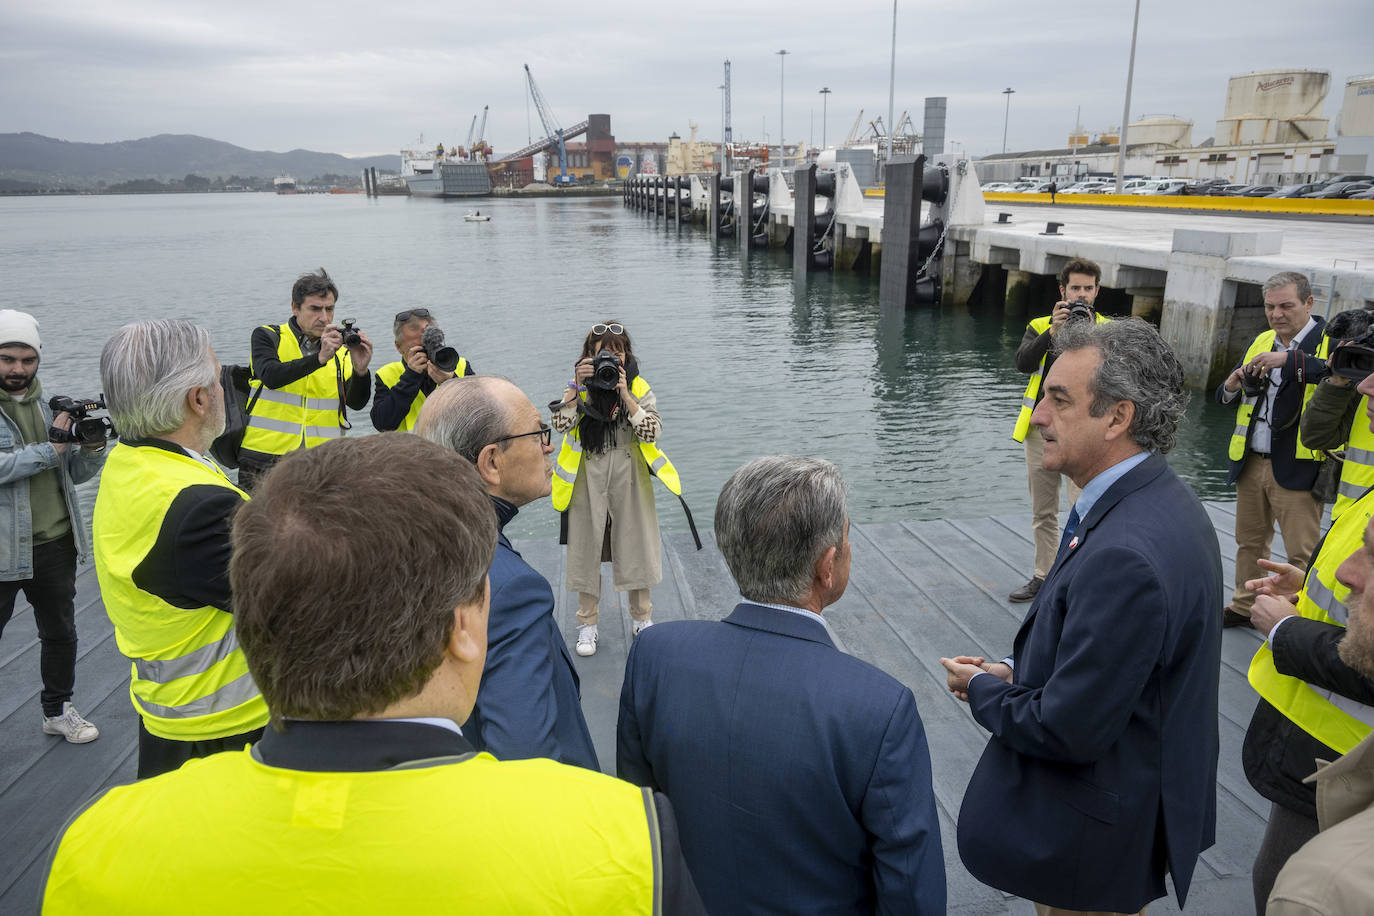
(19, 462)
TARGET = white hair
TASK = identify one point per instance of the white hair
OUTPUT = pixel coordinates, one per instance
(147, 369)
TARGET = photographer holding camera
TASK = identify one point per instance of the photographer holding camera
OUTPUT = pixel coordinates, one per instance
(601, 482)
(42, 519)
(1078, 288)
(1272, 467)
(1336, 417)
(426, 361)
(307, 372)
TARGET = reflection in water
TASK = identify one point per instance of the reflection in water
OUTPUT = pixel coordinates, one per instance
(916, 409)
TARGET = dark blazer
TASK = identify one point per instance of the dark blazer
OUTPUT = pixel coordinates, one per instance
(799, 774)
(529, 703)
(1301, 369)
(1102, 765)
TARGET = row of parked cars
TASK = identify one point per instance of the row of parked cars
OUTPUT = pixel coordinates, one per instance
(1357, 187)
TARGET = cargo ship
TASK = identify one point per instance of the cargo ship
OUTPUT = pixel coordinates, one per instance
(444, 173)
(284, 184)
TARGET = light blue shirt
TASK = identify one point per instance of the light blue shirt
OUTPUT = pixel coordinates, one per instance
(1100, 484)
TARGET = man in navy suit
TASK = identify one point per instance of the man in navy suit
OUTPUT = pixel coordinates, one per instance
(530, 703)
(799, 774)
(1100, 774)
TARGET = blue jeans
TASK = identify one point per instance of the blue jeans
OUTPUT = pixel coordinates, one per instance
(51, 591)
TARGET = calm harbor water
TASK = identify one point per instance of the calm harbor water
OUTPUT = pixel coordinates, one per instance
(744, 361)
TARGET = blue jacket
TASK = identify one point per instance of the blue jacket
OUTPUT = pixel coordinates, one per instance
(529, 703)
(800, 775)
(1102, 764)
(19, 462)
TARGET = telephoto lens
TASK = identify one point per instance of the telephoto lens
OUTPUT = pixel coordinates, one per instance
(446, 358)
(605, 371)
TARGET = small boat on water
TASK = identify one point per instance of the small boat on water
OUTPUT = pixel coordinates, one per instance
(476, 217)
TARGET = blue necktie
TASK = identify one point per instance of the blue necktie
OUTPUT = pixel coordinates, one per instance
(1069, 529)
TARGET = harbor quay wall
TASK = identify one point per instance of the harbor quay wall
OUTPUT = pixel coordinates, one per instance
(1196, 274)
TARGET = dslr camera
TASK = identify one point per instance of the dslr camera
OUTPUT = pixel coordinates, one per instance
(350, 333)
(85, 429)
(1080, 309)
(1354, 330)
(445, 358)
(605, 371)
(1253, 384)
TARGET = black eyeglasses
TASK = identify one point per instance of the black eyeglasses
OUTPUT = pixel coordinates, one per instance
(544, 432)
(599, 329)
(403, 317)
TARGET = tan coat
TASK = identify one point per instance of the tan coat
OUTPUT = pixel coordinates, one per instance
(614, 485)
(1332, 875)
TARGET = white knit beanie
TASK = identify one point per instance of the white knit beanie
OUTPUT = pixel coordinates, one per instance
(19, 328)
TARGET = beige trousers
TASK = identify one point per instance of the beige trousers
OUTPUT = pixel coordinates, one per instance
(1260, 501)
(587, 614)
(1044, 494)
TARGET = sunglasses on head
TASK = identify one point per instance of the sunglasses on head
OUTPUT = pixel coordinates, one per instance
(403, 317)
(600, 329)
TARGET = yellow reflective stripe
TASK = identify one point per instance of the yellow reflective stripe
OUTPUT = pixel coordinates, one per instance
(1325, 599)
(1350, 490)
(324, 432)
(564, 474)
(274, 425)
(573, 443)
(658, 463)
(1352, 708)
(1359, 455)
(235, 693)
(273, 396)
(162, 670)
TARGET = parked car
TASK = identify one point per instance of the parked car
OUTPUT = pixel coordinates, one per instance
(1298, 190)
(1339, 189)
(1369, 178)
(1207, 186)
(1091, 186)
(996, 186)
(1167, 186)
(1259, 190)
(1362, 195)
(1230, 190)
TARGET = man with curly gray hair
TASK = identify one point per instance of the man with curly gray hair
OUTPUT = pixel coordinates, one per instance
(1110, 693)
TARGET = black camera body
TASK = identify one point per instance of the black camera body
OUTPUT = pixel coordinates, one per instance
(605, 371)
(1254, 385)
(351, 338)
(446, 358)
(1353, 355)
(85, 429)
(1080, 309)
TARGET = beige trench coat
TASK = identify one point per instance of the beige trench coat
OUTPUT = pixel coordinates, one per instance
(614, 485)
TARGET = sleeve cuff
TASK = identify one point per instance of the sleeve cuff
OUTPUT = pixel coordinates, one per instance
(1275, 628)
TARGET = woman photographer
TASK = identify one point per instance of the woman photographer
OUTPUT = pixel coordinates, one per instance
(601, 482)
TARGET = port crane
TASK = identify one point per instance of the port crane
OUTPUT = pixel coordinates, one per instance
(854, 131)
(552, 128)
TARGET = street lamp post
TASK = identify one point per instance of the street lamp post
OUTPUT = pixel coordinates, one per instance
(1126, 113)
(825, 99)
(782, 72)
(891, 86)
(1006, 119)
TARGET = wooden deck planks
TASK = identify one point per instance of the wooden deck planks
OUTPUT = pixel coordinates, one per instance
(918, 590)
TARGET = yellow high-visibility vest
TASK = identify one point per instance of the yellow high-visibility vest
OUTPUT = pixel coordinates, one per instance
(391, 373)
(190, 681)
(1023, 419)
(228, 835)
(1357, 473)
(1336, 721)
(306, 413)
(570, 459)
(1264, 343)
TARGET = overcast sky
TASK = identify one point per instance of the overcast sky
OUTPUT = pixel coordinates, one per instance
(362, 78)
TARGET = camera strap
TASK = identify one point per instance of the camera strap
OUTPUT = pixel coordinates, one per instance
(343, 396)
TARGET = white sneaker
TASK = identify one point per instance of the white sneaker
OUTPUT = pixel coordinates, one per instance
(71, 726)
(586, 640)
(640, 626)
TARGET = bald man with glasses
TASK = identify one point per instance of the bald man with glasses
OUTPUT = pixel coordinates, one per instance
(530, 701)
(402, 386)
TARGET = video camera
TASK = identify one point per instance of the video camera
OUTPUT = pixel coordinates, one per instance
(85, 429)
(1353, 357)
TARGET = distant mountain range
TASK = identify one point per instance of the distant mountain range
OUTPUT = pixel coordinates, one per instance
(34, 161)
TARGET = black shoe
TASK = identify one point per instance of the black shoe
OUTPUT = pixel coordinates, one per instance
(1230, 618)
(1027, 591)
